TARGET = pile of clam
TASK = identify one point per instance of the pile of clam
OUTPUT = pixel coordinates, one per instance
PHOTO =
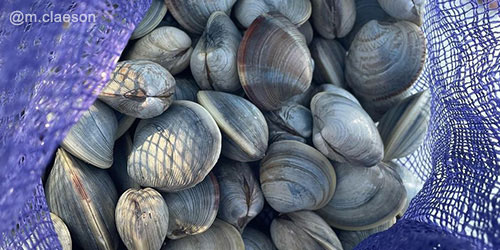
(248, 124)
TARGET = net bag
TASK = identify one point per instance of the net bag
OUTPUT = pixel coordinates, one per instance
(52, 71)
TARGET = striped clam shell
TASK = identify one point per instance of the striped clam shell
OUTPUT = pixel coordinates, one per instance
(409, 10)
(62, 232)
(298, 11)
(256, 240)
(151, 19)
(293, 119)
(329, 59)
(333, 18)
(186, 89)
(118, 171)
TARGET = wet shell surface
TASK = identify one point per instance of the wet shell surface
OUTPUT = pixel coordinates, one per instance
(298, 12)
(243, 126)
(409, 10)
(142, 219)
(151, 19)
(413, 184)
(62, 232)
(256, 240)
(175, 150)
(192, 211)
(295, 176)
(343, 131)
(220, 236)
(84, 198)
(241, 197)
(274, 63)
(329, 59)
(350, 239)
(333, 18)
(139, 88)
(118, 171)
(213, 62)
(293, 119)
(186, 89)
(364, 198)
(92, 138)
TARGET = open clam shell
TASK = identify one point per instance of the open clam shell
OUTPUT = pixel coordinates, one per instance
(213, 62)
(186, 89)
(256, 240)
(364, 198)
(241, 197)
(350, 239)
(333, 18)
(168, 46)
(139, 88)
(343, 131)
(62, 232)
(175, 150)
(274, 63)
(151, 19)
(298, 12)
(192, 211)
(293, 119)
(118, 171)
(404, 126)
(329, 59)
(92, 138)
(382, 81)
(303, 230)
(220, 236)
(243, 126)
(409, 10)
(84, 197)
(142, 219)
(295, 176)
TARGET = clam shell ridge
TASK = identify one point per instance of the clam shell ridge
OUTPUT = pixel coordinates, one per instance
(343, 131)
(243, 126)
(274, 63)
(62, 232)
(329, 58)
(294, 119)
(92, 138)
(333, 18)
(185, 89)
(409, 10)
(295, 176)
(151, 19)
(175, 150)
(298, 11)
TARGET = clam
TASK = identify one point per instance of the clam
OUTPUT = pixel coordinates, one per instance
(124, 124)
(343, 131)
(404, 126)
(168, 46)
(192, 211)
(329, 58)
(220, 236)
(213, 62)
(244, 128)
(62, 232)
(91, 139)
(409, 10)
(256, 240)
(307, 30)
(84, 198)
(295, 176)
(274, 63)
(151, 19)
(330, 88)
(241, 197)
(142, 219)
(350, 239)
(303, 230)
(412, 183)
(380, 82)
(291, 120)
(118, 171)
(333, 18)
(364, 198)
(175, 150)
(186, 89)
(298, 12)
(193, 15)
(139, 88)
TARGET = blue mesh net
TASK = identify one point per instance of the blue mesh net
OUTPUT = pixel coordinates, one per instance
(51, 72)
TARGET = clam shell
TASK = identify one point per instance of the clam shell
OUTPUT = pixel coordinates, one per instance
(380, 82)
(404, 126)
(256, 240)
(307, 30)
(298, 12)
(343, 131)
(329, 59)
(84, 197)
(243, 126)
(151, 19)
(118, 171)
(412, 183)
(142, 219)
(293, 119)
(168, 46)
(193, 15)
(274, 63)
(124, 124)
(330, 88)
(192, 211)
(186, 89)
(295, 176)
(364, 198)
(409, 10)
(304, 99)
(333, 18)
(263, 220)
(175, 150)
(303, 230)
(350, 239)
(62, 232)
(139, 88)
(91, 139)
(220, 236)
(241, 197)
(213, 62)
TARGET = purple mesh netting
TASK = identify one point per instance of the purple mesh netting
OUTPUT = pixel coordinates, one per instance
(51, 72)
